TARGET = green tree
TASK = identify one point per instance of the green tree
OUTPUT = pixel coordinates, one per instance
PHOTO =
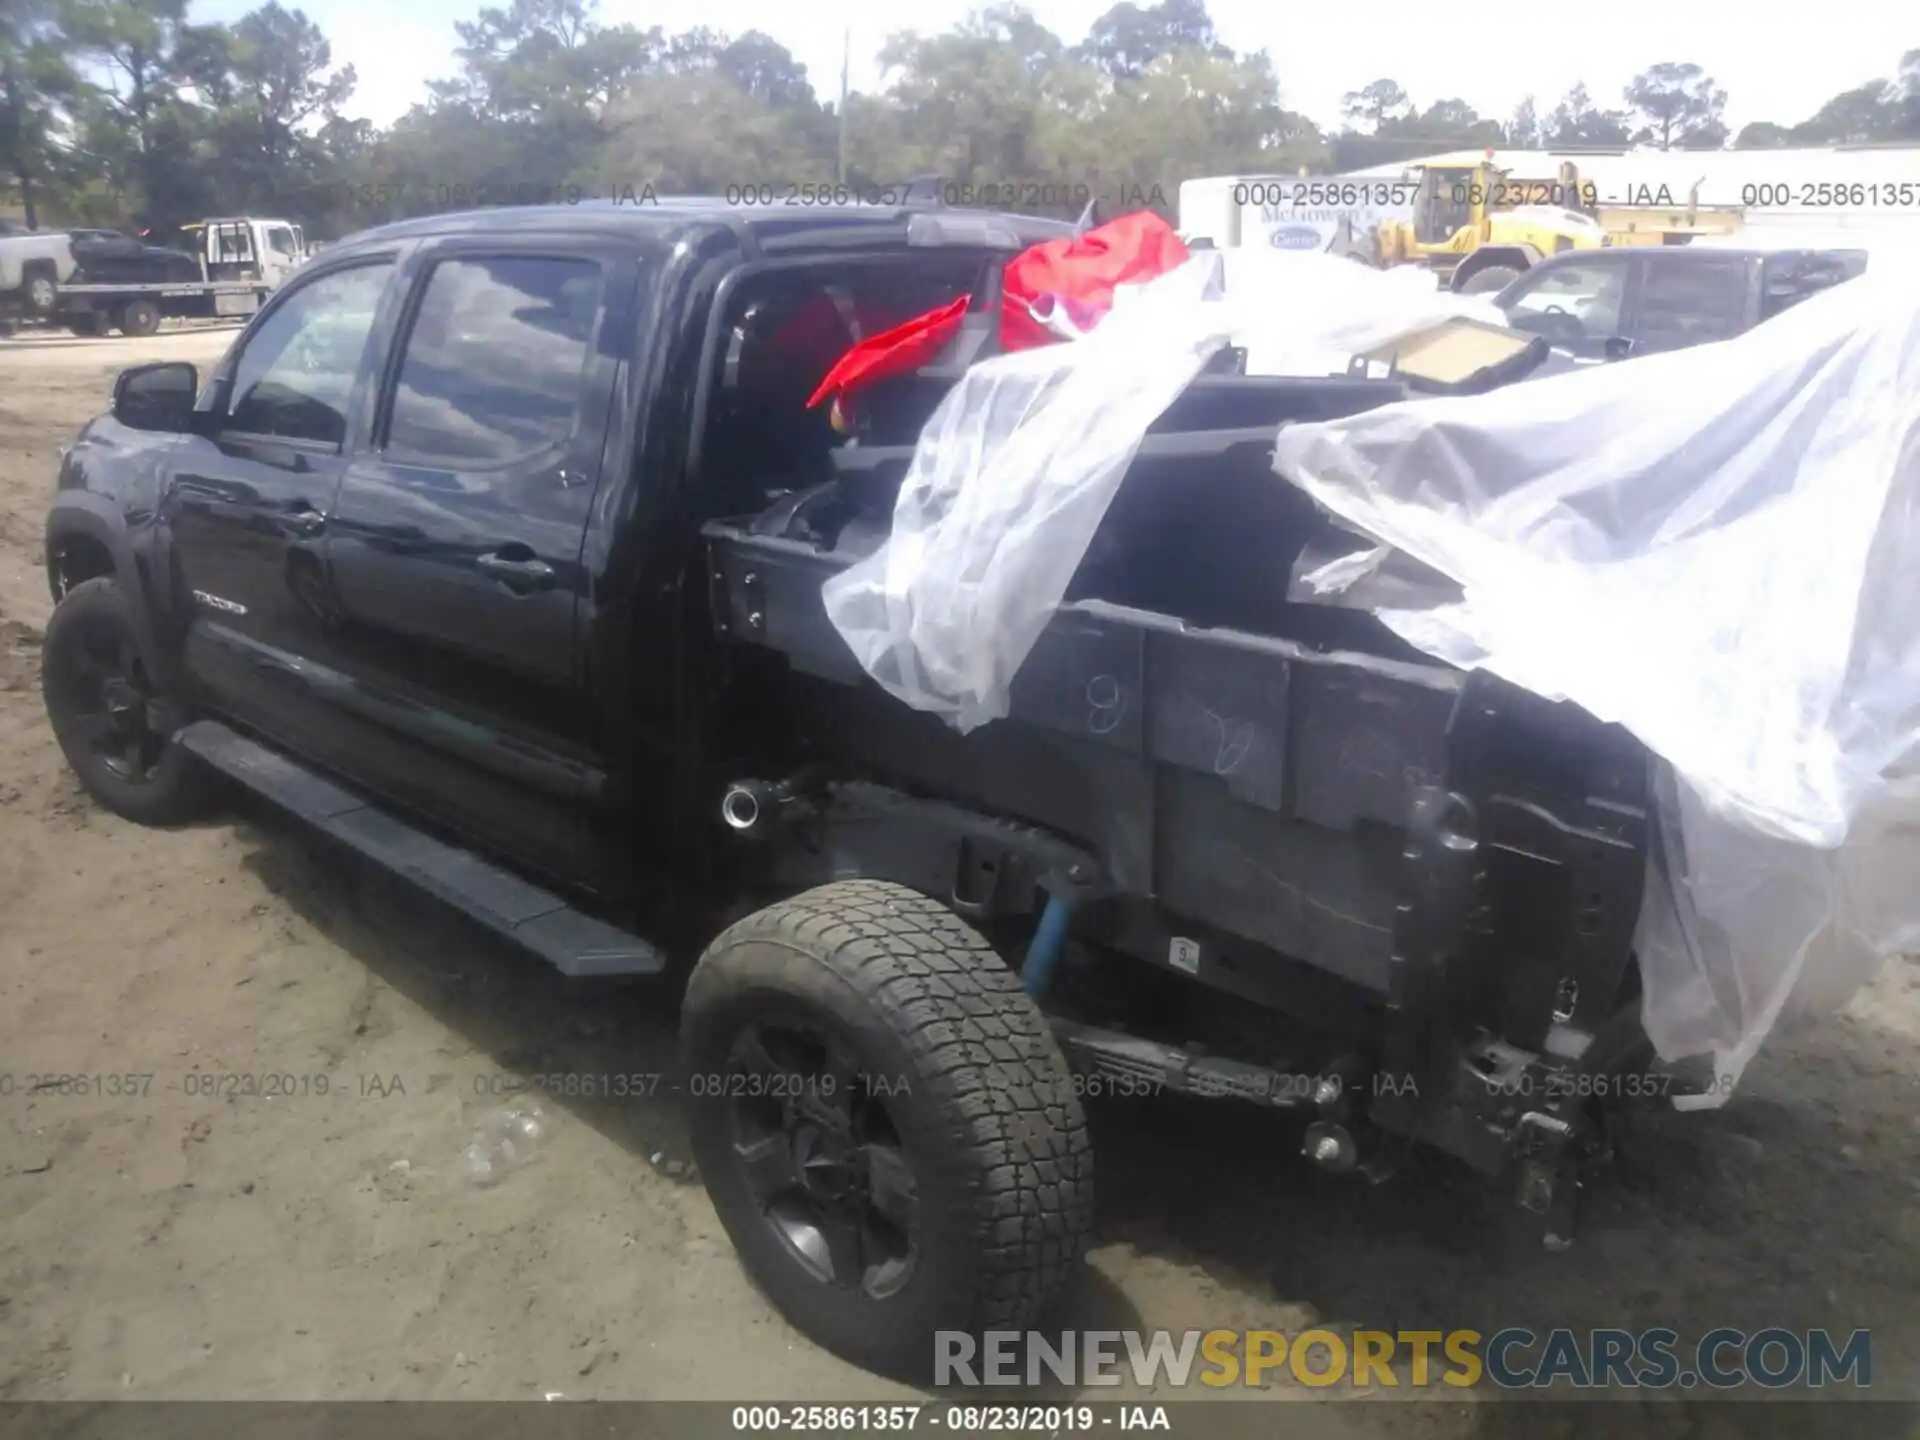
(1374, 105)
(1876, 112)
(701, 132)
(1577, 122)
(977, 102)
(766, 70)
(36, 84)
(1678, 105)
(1525, 130)
(140, 134)
(1764, 135)
(1444, 125)
(1128, 38)
(283, 88)
(1193, 112)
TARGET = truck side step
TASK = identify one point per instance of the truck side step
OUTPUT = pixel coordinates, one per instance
(573, 943)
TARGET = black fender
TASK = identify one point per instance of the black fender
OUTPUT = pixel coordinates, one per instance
(83, 515)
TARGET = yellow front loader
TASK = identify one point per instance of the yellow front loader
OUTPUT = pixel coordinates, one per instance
(1479, 229)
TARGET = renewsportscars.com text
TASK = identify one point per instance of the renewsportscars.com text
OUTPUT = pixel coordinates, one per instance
(1510, 1359)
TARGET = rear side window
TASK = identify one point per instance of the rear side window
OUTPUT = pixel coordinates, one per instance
(1789, 278)
(495, 364)
(1692, 303)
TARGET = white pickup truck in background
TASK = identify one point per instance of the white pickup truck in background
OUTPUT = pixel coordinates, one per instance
(92, 281)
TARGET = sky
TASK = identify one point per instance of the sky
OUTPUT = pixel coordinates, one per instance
(1490, 53)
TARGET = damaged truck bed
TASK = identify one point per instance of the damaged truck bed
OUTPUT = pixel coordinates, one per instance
(1428, 879)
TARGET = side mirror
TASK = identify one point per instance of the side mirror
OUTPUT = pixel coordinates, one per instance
(1619, 347)
(156, 397)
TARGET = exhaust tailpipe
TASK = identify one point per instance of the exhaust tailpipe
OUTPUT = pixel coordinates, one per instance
(747, 806)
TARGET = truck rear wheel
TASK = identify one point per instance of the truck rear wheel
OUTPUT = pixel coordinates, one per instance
(884, 1122)
(1488, 279)
(139, 317)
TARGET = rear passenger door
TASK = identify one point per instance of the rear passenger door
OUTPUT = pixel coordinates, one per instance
(454, 549)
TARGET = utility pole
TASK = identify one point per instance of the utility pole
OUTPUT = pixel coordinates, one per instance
(840, 157)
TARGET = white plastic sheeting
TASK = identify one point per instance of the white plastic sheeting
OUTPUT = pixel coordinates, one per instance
(1015, 469)
(1718, 548)
(1310, 314)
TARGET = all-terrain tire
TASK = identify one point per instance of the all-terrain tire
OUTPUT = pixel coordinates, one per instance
(1489, 280)
(988, 1115)
(93, 615)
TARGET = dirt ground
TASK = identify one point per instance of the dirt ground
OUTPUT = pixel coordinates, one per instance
(168, 1243)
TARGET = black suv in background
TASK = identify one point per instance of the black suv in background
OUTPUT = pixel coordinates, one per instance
(1598, 305)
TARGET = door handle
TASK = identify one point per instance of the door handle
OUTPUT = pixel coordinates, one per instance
(522, 575)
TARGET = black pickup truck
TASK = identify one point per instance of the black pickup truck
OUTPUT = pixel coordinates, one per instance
(493, 549)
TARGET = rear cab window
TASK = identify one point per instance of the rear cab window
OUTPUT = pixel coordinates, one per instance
(783, 330)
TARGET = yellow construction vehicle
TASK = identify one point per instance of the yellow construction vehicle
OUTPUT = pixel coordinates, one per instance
(1662, 220)
(1479, 228)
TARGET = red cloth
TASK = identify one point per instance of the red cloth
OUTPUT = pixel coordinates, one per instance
(1079, 271)
(905, 347)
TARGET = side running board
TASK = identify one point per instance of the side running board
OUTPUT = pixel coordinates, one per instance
(575, 944)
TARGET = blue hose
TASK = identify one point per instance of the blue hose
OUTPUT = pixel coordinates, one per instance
(1048, 941)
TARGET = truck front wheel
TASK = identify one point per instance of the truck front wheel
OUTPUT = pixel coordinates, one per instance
(109, 714)
(884, 1122)
(139, 317)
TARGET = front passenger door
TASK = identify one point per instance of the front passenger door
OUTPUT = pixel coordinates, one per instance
(248, 495)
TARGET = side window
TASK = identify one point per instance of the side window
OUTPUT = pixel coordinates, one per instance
(233, 243)
(280, 241)
(1576, 306)
(1692, 302)
(792, 328)
(297, 369)
(1787, 279)
(495, 364)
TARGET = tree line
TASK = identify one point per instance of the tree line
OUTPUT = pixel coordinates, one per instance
(128, 113)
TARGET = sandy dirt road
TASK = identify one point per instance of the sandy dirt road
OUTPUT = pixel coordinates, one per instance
(178, 1244)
